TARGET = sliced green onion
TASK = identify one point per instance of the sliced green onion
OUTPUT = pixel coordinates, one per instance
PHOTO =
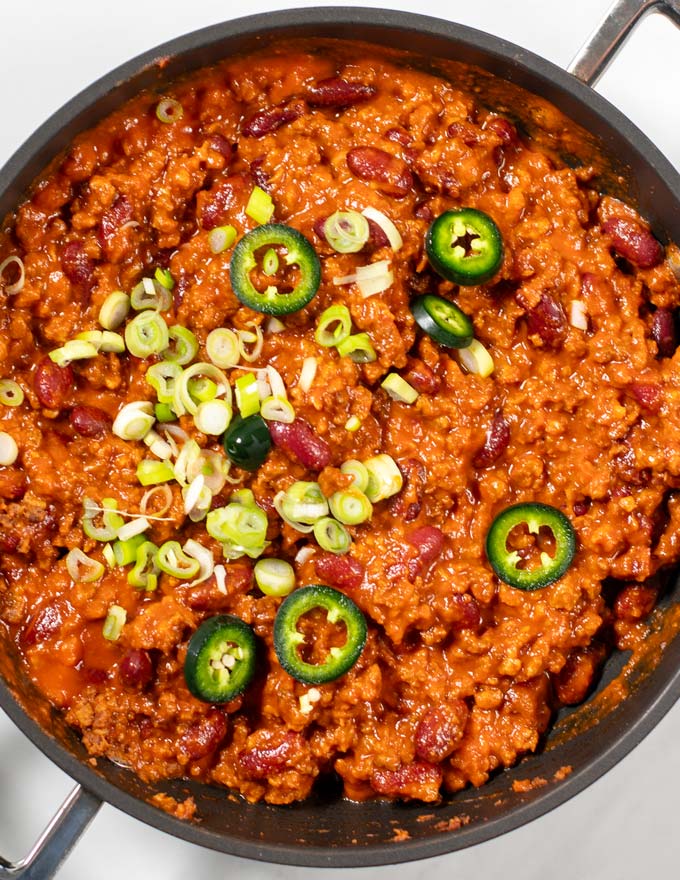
(125, 552)
(169, 110)
(146, 334)
(184, 401)
(149, 502)
(158, 446)
(206, 563)
(213, 417)
(103, 340)
(357, 471)
(109, 555)
(270, 262)
(346, 231)
(214, 468)
(384, 478)
(162, 377)
(353, 424)
(244, 497)
(150, 472)
(298, 526)
(221, 238)
(277, 409)
(188, 462)
(144, 574)
(334, 326)
(197, 499)
(174, 561)
(183, 346)
(274, 577)
(276, 383)
(114, 623)
(83, 569)
(18, 285)
(304, 502)
(248, 337)
(332, 536)
(202, 389)
(150, 294)
(370, 279)
(358, 347)
(384, 222)
(11, 393)
(476, 359)
(164, 278)
(242, 527)
(9, 451)
(222, 347)
(307, 374)
(164, 413)
(399, 389)
(247, 395)
(111, 520)
(114, 310)
(74, 350)
(260, 207)
(350, 506)
(134, 421)
(136, 526)
(274, 325)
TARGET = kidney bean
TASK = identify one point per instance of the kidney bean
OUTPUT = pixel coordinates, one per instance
(664, 332)
(440, 731)
(424, 211)
(215, 205)
(429, 542)
(649, 396)
(463, 130)
(495, 442)
(576, 677)
(94, 676)
(77, 266)
(505, 130)
(417, 780)
(548, 321)
(376, 237)
(582, 507)
(258, 173)
(136, 668)
(408, 502)
(390, 173)
(117, 215)
(90, 421)
(421, 376)
(43, 625)
(13, 484)
(467, 613)
(219, 144)
(203, 736)
(299, 441)
(258, 763)
(338, 92)
(9, 541)
(399, 136)
(265, 122)
(339, 571)
(52, 384)
(634, 602)
(634, 242)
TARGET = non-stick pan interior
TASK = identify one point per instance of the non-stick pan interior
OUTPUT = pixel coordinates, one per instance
(326, 830)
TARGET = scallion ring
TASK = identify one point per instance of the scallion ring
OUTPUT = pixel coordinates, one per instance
(277, 409)
(174, 561)
(247, 395)
(350, 506)
(274, 577)
(111, 520)
(304, 502)
(222, 348)
(213, 417)
(125, 552)
(238, 524)
(83, 569)
(114, 623)
(250, 337)
(334, 326)
(163, 377)
(399, 389)
(146, 334)
(270, 262)
(358, 348)
(152, 497)
(357, 471)
(346, 231)
(164, 278)
(18, 285)
(183, 345)
(11, 393)
(221, 238)
(260, 207)
(332, 536)
(144, 574)
(185, 401)
(9, 451)
(384, 478)
(74, 350)
(114, 310)
(150, 472)
(476, 359)
(169, 110)
(134, 421)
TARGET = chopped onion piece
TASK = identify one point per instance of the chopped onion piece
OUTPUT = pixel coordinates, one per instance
(578, 316)
(221, 579)
(373, 285)
(308, 699)
(18, 285)
(307, 374)
(387, 226)
(476, 359)
(220, 238)
(83, 569)
(132, 528)
(274, 325)
(9, 451)
(164, 492)
(304, 554)
(134, 421)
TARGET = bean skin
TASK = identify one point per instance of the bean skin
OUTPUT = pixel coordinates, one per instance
(338, 92)
(634, 242)
(77, 266)
(440, 731)
(408, 503)
(267, 121)
(505, 130)
(89, 421)
(339, 571)
(495, 443)
(548, 320)
(417, 780)
(42, 626)
(258, 763)
(390, 173)
(136, 668)
(215, 206)
(203, 736)
(117, 215)
(664, 333)
(649, 396)
(422, 377)
(52, 384)
(300, 442)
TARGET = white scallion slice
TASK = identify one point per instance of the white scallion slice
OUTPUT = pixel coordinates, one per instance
(578, 315)
(189, 454)
(252, 338)
(158, 498)
(132, 528)
(134, 421)
(277, 409)
(114, 310)
(183, 401)
(9, 451)
(247, 395)
(384, 478)
(307, 374)
(346, 231)
(222, 347)
(160, 447)
(274, 325)
(276, 383)
(476, 359)
(221, 579)
(18, 285)
(73, 350)
(387, 226)
(83, 569)
(213, 417)
(274, 577)
(353, 424)
(399, 389)
(114, 623)
(205, 559)
(220, 238)
(11, 393)
(193, 493)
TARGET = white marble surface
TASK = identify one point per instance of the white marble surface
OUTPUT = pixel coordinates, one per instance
(626, 825)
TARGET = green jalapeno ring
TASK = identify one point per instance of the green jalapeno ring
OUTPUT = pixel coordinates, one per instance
(535, 516)
(442, 320)
(299, 252)
(220, 660)
(287, 637)
(471, 265)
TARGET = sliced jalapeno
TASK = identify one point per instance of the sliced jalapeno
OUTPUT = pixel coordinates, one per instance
(464, 246)
(442, 320)
(247, 442)
(220, 659)
(288, 638)
(534, 516)
(298, 252)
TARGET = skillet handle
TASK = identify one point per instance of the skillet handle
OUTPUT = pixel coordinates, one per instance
(57, 840)
(601, 47)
